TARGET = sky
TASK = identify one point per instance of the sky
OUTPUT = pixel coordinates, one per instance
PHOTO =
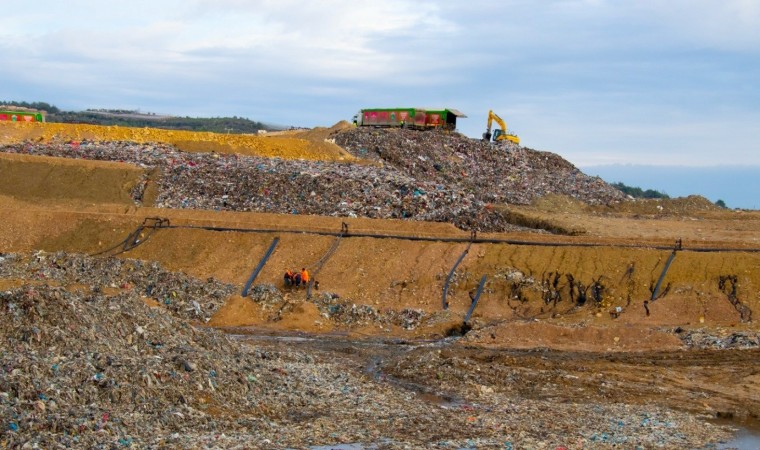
(737, 186)
(599, 82)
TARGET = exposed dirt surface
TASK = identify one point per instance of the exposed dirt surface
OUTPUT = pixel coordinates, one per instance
(190, 141)
(577, 337)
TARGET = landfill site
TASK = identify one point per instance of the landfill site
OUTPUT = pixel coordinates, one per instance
(461, 294)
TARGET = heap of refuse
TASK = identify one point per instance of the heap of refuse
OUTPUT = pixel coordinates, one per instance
(495, 173)
(426, 176)
(248, 183)
(94, 366)
(718, 339)
(99, 368)
(184, 296)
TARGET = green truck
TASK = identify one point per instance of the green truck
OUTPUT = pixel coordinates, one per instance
(22, 116)
(419, 118)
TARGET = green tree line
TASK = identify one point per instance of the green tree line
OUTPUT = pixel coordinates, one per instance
(637, 192)
(126, 118)
(41, 106)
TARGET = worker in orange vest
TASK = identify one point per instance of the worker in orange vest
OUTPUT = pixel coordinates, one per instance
(304, 276)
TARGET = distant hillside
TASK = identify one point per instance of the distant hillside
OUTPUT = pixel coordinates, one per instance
(736, 186)
(129, 118)
(637, 192)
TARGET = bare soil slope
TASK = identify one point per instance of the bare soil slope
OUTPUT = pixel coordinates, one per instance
(56, 204)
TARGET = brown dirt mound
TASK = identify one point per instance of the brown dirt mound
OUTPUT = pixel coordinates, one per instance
(557, 203)
(407, 274)
(319, 138)
(680, 206)
(282, 147)
(48, 179)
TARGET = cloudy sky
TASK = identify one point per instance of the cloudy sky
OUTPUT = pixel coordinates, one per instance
(671, 82)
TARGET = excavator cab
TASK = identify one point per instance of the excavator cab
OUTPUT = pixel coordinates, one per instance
(499, 135)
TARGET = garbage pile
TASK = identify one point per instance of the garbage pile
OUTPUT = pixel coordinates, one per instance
(266, 295)
(425, 176)
(99, 368)
(346, 312)
(710, 339)
(184, 296)
(495, 173)
(248, 183)
(84, 369)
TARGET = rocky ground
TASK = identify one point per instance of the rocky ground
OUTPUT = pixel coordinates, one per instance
(121, 336)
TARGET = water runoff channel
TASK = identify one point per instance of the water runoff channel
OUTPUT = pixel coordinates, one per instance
(371, 354)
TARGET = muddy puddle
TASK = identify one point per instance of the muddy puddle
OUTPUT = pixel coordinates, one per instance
(747, 437)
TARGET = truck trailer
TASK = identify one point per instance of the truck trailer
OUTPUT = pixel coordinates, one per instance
(21, 116)
(418, 118)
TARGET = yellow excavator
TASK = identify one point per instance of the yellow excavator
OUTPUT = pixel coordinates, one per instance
(499, 134)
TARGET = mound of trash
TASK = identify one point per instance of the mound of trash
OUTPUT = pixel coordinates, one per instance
(247, 183)
(495, 173)
(92, 367)
(427, 176)
(184, 296)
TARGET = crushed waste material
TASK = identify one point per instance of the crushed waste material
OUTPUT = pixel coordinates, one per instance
(717, 340)
(451, 178)
(495, 173)
(184, 296)
(91, 367)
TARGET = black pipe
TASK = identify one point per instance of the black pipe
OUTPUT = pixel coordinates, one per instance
(318, 265)
(662, 276)
(445, 303)
(475, 241)
(258, 268)
(475, 299)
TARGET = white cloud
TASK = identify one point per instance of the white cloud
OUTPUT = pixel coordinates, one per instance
(726, 25)
(593, 80)
(330, 39)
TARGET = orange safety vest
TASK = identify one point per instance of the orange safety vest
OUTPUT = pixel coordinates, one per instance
(304, 276)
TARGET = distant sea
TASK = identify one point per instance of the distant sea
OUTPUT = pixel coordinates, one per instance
(737, 186)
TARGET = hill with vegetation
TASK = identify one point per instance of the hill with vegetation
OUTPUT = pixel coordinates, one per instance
(134, 118)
